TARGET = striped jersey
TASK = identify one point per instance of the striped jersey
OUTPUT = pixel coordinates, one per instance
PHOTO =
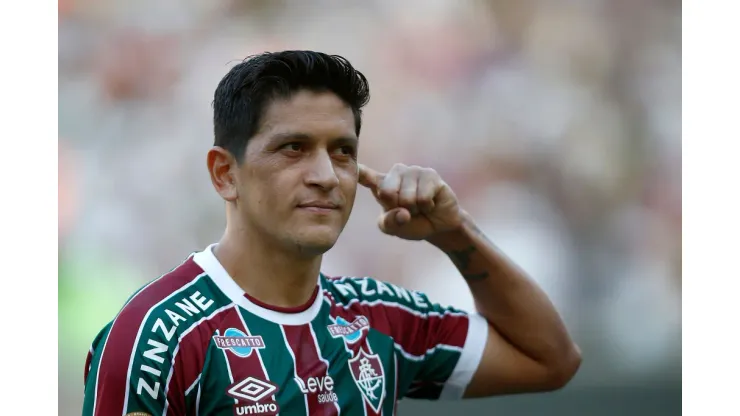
(193, 343)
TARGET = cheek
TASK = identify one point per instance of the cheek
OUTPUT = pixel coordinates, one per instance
(274, 190)
(349, 188)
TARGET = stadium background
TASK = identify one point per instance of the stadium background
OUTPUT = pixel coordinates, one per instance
(557, 122)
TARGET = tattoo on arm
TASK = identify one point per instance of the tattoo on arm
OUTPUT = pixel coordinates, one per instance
(461, 259)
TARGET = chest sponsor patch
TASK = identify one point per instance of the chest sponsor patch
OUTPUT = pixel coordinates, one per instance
(238, 342)
(350, 331)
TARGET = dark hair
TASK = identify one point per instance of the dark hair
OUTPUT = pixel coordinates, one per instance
(245, 91)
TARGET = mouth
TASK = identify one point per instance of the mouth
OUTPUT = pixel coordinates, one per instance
(319, 206)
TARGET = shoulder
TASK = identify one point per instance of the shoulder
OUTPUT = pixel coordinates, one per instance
(372, 292)
(153, 297)
(146, 332)
(163, 309)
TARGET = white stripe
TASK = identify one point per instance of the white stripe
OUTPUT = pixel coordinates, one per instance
(191, 328)
(376, 302)
(138, 335)
(197, 401)
(325, 361)
(102, 352)
(192, 386)
(295, 364)
(467, 364)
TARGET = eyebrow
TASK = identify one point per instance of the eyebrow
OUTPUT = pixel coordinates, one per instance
(280, 137)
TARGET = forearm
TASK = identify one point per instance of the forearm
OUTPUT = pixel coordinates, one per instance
(512, 303)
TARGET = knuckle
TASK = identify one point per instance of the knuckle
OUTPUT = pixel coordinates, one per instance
(429, 171)
(399, 167)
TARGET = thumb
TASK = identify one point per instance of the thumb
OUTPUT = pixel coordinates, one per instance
(389, 222)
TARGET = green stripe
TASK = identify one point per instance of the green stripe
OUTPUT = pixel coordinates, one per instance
(91, 385)
(191, 397)
(439, 365)
(333, 349)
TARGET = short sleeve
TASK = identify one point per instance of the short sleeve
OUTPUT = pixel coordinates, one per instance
(437, 348)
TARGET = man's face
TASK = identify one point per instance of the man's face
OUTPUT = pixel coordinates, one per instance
(298, 181)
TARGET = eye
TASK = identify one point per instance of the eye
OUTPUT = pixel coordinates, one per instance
(346, 151)
(293, 147)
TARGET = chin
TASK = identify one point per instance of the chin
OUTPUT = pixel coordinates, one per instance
(316, 242)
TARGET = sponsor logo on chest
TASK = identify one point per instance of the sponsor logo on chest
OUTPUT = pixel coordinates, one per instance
(322, 387)
(238, 342)
(254, 397)
(351, 332)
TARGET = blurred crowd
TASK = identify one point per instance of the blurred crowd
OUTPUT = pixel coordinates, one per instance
(557, 123)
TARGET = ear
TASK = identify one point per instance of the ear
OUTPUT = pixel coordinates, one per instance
(222, 168)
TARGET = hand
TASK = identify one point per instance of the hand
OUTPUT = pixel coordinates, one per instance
(417, 203)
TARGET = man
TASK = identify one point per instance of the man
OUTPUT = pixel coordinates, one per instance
(250, 326)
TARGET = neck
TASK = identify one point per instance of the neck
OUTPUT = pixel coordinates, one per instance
(273, 276)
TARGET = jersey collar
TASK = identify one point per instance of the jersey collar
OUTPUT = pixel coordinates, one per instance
(213, 268)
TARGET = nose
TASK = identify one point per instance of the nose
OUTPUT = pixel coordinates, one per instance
(321, 172)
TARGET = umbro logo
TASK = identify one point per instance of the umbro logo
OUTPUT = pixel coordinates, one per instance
(256, 391)
(251, 389)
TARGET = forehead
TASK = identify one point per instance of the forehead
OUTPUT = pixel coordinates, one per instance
(314, 113)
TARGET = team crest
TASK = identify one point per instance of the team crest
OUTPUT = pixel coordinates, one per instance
(351, 332)
(367, 371)
(238, 342)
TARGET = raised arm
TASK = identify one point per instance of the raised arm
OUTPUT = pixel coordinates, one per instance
(528, 348)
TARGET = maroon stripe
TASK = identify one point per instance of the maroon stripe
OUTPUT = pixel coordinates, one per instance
(116, 354)
(188, 362)
(369, 411)
(243, 367)
(309, 364)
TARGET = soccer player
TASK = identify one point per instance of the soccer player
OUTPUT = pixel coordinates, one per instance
(249, 325)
